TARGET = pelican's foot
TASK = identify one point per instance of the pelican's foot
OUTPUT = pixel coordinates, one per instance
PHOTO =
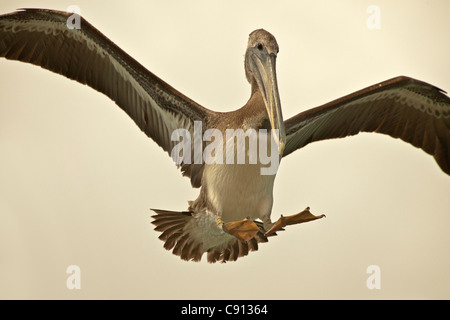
(301, 217)
(244, 230)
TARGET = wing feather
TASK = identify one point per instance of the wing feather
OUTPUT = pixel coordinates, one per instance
(402, 107)
(41, 37)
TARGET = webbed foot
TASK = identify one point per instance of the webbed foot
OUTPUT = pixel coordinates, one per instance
(300, 217)
(244, 230)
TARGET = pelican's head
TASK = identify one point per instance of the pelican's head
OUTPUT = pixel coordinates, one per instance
(260, 71)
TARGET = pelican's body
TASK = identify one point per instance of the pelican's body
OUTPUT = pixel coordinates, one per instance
(237, 191)
(231, 192)
(232, 213)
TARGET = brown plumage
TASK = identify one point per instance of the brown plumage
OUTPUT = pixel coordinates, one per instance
(171, 225)
(402, 107)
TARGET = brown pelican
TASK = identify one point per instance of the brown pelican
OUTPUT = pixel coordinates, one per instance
(232, 212)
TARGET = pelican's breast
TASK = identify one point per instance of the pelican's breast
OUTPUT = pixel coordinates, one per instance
(241, 190)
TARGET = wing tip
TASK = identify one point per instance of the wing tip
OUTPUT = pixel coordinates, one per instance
(21, 12)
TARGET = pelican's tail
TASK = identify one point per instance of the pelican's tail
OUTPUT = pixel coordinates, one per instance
(172, 225)
(191, 234)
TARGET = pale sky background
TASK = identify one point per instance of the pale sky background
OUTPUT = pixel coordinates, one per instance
(77, 177)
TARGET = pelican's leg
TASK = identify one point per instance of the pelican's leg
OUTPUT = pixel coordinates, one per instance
(244, 230)
(300, 217)
(267, 223)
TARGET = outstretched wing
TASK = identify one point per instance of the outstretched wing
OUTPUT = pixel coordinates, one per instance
(402, 107)
(42, 37)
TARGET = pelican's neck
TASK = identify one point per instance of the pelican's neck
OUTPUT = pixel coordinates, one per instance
(256, 101)
(256, 107)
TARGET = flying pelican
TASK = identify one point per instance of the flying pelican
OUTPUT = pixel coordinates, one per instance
(232, 212)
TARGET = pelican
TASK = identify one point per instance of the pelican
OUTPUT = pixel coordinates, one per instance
(232, 213)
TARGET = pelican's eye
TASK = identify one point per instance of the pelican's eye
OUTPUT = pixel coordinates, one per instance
(259, 46)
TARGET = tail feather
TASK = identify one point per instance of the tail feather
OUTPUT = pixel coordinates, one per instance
(182, 234)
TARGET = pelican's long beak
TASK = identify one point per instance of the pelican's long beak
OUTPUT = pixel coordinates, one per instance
(263, 68)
